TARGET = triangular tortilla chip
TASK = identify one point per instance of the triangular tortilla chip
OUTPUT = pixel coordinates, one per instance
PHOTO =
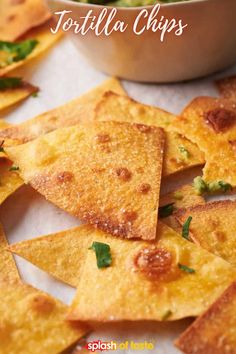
(227, 87)
(10, 97)
(181, 198)
(180, 153)
(146, 281)
(106, 173)
(18, 16)
(58, 254)
(71, 113)
(211, 124)
(124, 291)
(33, 321)
(45, 40)
(215, 331)
(8, 268)
(10, 181)
(213, 227)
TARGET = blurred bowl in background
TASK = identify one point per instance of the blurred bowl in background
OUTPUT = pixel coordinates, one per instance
(207, 45)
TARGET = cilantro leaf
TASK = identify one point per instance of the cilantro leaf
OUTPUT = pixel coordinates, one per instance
(18, 51)
(14, 168)
(103, 254)
(185, 229)
(166, 210)
(200, 185)
(10, 82)
(186, 268)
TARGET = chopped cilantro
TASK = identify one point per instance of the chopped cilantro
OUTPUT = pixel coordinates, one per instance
(186, 268)
(14, 168)
(185, 229)
(218, 186)
(18, 51)
(10, 82)
(34, 94)
(184, 151)
(166, 210)
(166, 315)
(103, 254)
(178, 195)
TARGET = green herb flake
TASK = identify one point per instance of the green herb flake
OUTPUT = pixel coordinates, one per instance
(103, 254)
(10, 82)
(219, 186)
(178, 195)
(184, 151)
(14, 168)
(166, 315)
(186, 268)
(166, 210)
(18, 51)
(185, 229)
(35, 94)
(200, 185)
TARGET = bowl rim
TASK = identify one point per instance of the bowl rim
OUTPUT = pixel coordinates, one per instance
(124, 8)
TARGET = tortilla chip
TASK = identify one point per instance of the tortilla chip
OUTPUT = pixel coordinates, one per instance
(58, 254)
(211, 124)
(183, 197)
(122, 291)
(10, 97)
(71, 113)
(45, 40)
(33, 320)
(10, 181)
(7, 264)
(215, 331)
(227, 87)
(146, 281)
(18, 16)
(106, 173)
(213, 227)
(121, 108)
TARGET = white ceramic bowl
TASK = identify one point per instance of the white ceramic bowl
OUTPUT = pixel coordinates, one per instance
(207, 45)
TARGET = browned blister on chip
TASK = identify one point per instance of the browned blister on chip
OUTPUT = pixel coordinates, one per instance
(71, 113)
(42, 35)
(12, 96)
(180, 153)
(33, 320)
(211, 124)
(143, 282)
(215, 331)
(227, 87)
(98, 179)
(8, 268)
(180, 198)
(213, 227)
(19, 16)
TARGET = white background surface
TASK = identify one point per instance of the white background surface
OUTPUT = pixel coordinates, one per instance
(62, 74)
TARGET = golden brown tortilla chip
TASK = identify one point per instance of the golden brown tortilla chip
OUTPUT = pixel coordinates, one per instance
(8, 268)
(71, 113)
(180, 153)
(18, 16)
(213, 227)
(33, 321)
(10, 181)
(45, 40)
(147, 281)
(227, 87)
(106, 173)
(58, 254)
(12, 96)
(144, 280)
(211, 124)
(181, 198)
(215, 331)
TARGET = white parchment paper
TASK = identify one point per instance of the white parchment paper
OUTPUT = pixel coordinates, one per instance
(62, 74)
